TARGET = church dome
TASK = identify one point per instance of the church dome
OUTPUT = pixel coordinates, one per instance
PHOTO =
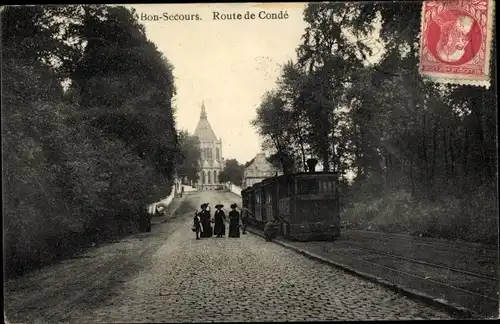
(204, 130)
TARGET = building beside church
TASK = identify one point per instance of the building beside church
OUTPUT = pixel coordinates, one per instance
(212, 161)
(257, 170)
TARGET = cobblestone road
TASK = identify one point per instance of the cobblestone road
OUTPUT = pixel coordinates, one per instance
(245, 279)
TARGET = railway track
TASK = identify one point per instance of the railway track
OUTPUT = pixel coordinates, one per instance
(447, 272)
(427, 241)
(481, 291)
(415, 264)
(465, 259)
(434, 265)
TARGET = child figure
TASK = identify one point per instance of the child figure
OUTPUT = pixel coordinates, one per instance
(197, 225)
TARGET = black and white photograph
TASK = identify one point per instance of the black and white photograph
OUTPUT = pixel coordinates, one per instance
(250, 162)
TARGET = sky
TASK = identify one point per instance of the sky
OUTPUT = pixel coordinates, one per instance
(228, 64)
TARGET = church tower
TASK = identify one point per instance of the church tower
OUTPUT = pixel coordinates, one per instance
(211, 162)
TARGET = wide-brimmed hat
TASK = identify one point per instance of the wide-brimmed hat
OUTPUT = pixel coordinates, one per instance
(219, 206)
(233, 205)
(204, 205)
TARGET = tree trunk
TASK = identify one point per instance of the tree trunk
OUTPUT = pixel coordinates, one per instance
(359, 170)
(334, 159)
(411, 179)
(464, 153)
(424, 151)
(326, 162)
(465, 173)
(387, 157)
(452, 154)
(446, 165)
(363, 151)
(302, 151)
(280, 153)
(480, 133)
(432, 177)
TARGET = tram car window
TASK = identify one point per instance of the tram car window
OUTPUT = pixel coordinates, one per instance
(326, 186)
(284, 189)
(307, 186)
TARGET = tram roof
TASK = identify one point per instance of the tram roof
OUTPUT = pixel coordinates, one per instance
(282, 177)
(246, 189)
(256, 185)
(309, 174)
(302, 175)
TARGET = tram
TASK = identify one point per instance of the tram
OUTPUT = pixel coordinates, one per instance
(304, 205)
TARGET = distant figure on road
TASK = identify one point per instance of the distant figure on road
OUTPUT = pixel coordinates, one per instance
(207, 230)
(219, 218)
(197, 225)
(234, 222)
(182, 190)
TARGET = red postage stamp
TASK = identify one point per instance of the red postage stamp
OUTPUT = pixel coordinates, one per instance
(455, 43)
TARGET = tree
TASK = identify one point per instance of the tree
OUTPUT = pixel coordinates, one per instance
(232, 172)
(121, 70)
(291, 84)
(189, 158)
(272, 122)
(399, 135)
(79, 165)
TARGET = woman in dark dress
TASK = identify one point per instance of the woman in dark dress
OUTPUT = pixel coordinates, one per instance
(205, 221)
(219, 218)
(234, 222)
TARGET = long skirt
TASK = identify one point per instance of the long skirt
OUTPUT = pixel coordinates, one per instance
(219, 228)
(207, 229)
(234, 229)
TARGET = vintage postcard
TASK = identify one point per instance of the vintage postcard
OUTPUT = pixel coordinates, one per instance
(250, 162)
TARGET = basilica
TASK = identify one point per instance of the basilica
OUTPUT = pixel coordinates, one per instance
(212, 161)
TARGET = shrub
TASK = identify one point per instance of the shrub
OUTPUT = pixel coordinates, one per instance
(473, 220)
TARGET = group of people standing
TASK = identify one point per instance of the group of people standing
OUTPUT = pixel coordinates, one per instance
(202, 225)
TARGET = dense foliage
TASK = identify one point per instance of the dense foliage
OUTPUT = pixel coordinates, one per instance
(423, 154)
(232, 172)
(190, 157)
(81, 163)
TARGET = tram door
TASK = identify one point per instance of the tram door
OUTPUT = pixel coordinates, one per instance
(251, 204)
(258, 202)
(275, 200)
(270, 201)
(265, 203)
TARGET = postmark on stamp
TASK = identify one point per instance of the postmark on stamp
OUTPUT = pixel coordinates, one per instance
(456, 40)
